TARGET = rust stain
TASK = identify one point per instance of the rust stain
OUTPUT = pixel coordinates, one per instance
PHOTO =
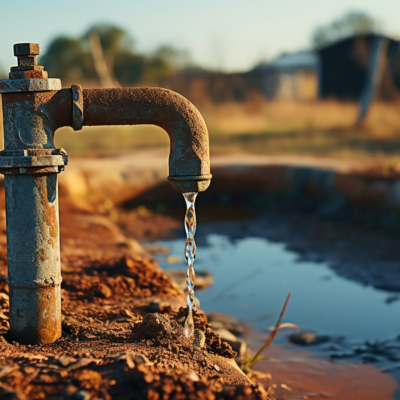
(49, 328)
(41, 255)
(49, 322)
(189, 155)
(50, 211)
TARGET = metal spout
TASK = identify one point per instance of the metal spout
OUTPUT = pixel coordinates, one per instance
(189, 159)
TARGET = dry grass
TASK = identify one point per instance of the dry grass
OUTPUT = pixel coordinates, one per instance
(317, 128)
(106, 139)
(280, 127)
(281, 116)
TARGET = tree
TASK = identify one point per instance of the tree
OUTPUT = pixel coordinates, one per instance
(66, 59)
(114, 40)
(166, 62)
(172, 56)
(354, 22)
(106, 52)
(130, 68)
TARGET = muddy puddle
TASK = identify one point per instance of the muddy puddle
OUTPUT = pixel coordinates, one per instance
(358, 322)
(252, 277)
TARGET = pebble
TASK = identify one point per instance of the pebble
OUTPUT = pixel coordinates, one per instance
(204, 279)
(191, 375)
(82, 395)
(141, 359)
(307, 338)
(216, 367)
(238, 345)
(199, 338)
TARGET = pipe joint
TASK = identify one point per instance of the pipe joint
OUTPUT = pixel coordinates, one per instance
(189, 158)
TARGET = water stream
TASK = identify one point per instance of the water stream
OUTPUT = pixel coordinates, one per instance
(190, 256)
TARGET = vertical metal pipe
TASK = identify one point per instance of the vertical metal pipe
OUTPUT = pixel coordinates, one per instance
(33, 247)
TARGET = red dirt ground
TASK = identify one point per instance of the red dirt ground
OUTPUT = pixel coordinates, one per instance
(122, 328)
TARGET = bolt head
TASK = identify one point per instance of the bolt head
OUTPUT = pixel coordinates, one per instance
(26, 49)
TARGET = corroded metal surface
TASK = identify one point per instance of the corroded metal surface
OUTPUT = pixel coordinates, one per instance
(30, 119)
(33, 252)
(189, 160)
(29, 85)
(30, 164)
(77, 107)
(26, 49)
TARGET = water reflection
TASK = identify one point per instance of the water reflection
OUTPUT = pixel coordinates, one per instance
(253, 277)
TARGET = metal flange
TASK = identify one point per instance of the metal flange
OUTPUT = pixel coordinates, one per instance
(77, 107)
(32, 161)
(29, 85)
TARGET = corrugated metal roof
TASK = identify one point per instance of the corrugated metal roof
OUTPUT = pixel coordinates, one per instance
(301, 59)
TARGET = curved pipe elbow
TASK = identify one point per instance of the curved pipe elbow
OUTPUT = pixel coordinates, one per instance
(189, 159)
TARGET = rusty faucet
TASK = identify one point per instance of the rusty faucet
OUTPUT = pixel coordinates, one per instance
(34, 107)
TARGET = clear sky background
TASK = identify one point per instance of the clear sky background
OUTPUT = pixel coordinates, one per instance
(226, 34)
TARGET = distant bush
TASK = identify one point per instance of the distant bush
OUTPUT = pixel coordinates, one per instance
(71, 58)
(351, 23)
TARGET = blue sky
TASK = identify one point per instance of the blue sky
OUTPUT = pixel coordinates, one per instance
(227, 34)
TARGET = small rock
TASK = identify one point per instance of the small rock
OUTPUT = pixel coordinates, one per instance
(153, 306)
(130, 362)
(141, 359)
(204, 279)
(369, 358)
(220, 320)
(199, 338)
(343, 354)
(392, 299)
(82, 395)
(216, 367)
(238, 345)
(307, 338)
(65, 360)
(225, 334)
(102, 290)
(191, 375)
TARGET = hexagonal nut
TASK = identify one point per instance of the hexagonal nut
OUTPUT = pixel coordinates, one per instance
(27, 68)
(30, 74)
(26, 49)
(27, 61)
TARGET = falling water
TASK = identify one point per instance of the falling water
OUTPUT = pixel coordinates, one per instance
(190, 256)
